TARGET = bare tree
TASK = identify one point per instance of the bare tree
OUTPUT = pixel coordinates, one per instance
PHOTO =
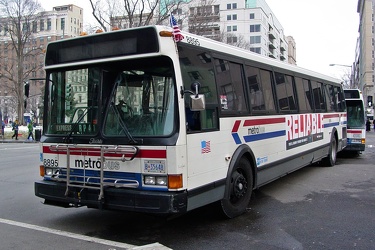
(19, 23)
(235, 40)
(128, 13)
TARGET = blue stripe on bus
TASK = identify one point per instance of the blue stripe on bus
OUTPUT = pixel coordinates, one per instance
(236, 138)
(263, 136)
(327, 125)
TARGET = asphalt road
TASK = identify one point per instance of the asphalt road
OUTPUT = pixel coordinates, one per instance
(313, 208)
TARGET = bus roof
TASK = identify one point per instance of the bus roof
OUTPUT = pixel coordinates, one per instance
(199, 41)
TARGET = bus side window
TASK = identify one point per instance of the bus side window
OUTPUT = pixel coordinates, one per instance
(329, 92)
(231, 87)
(265, 77)
(317, 90)
(196, 65)
(304, 100)
(285, 92)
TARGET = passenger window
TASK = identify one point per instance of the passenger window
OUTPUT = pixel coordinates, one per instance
(329, 92)
(304, 99)
(230, 85)
(197, 65)
(260, 88)
(285, 93)
(317, 90)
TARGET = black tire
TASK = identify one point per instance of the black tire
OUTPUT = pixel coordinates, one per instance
(238, 189)
(330, 160)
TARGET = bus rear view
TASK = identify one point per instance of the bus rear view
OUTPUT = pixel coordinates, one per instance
(356, 122)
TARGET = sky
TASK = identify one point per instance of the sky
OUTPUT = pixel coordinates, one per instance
(325, 31)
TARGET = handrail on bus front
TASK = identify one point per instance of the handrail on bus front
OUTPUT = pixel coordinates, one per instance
(124, 151)
(118, 149)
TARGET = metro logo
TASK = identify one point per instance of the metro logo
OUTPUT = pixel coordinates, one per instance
(299, 126)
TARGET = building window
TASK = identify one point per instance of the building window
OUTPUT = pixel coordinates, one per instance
(229, 28)
(62, 23)
(231, 6)
(49, 24)
(41, 24)
(256, 50)
(234, 28)
(254, 39)
(255, 28)
(231, 40)
(252, 16)
(232, 17)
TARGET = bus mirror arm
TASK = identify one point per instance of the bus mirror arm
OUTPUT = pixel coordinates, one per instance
(195, 86)
(197, 101)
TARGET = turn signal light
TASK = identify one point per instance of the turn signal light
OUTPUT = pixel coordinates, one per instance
(165, 33)
(175, 181)
(41, 170)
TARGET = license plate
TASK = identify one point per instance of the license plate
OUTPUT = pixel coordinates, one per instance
(154, 166)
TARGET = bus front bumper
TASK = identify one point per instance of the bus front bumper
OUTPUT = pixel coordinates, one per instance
(355, 147)
(155, 202)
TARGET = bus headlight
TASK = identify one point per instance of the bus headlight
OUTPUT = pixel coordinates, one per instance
(155, 180)
(48, 171)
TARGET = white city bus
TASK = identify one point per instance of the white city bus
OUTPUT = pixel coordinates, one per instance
(356, 121)
(135, 121)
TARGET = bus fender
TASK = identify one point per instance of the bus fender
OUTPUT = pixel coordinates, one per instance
(242, 151)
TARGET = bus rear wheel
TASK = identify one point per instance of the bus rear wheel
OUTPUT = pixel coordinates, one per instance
(330, 160)
(238, 189)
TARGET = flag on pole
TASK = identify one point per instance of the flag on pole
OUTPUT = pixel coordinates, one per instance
(176, 30)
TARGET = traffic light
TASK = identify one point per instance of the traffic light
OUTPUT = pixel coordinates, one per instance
(369, 101)
(68, 90)
(27, 89)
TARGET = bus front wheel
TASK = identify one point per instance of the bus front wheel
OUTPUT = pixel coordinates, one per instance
(238, 189)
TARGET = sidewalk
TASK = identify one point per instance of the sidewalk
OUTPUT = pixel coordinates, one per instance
(16, 141)
(22, 134)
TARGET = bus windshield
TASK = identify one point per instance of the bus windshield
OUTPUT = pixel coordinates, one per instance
(355, 111)
(117, 99)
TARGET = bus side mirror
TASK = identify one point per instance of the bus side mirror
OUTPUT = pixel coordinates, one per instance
(197, 101)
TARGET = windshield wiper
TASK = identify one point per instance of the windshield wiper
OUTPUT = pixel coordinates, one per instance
(68, 138)
(123, 125)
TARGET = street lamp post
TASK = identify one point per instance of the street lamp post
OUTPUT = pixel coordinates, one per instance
(351, 77)
(343, 65)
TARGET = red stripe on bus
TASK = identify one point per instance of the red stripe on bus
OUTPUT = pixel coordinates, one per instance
(354, 131)
(236, 126)
(264, 121)
(331, 116)
(143, 153)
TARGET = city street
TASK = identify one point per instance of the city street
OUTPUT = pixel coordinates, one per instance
(313, 208)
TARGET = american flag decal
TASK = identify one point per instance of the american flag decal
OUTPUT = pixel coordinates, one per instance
(176, 30)
(205, 147)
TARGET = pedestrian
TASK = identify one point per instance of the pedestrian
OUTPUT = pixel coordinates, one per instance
(368, 125)
(15, 129)
(30, 127)
(3, 128)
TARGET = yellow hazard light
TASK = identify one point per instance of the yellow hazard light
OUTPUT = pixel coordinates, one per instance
(363, 141)
(175, 181)
(41, 170)
(165, 33)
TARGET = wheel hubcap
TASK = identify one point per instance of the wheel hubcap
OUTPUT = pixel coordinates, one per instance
(239, 185)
